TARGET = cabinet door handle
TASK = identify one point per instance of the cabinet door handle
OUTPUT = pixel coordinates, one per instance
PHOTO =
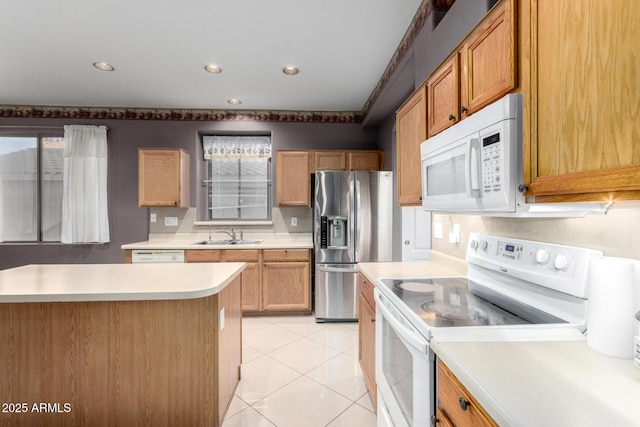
(463, 109)
(451, 117)
(373, 320)
(464, 404)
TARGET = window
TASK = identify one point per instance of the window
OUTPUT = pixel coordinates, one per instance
(31, 171)
(238, 177)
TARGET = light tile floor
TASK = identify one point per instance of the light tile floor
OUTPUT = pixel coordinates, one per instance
(297, 372)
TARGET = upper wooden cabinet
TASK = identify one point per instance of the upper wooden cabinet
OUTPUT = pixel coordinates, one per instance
(443, 100)
(329, 160)
(488, 59)
(294, 169)
(292, 178)
(411, 130)
(481, 71)
(580, 74)
(163, 177)
(365, 160)
(346, 160)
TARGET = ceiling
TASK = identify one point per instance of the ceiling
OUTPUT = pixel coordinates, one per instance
(159, 49)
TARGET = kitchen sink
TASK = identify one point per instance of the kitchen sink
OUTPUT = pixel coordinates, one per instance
(229, 242)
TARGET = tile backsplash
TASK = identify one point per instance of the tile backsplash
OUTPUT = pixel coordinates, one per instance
(281, 221)
(616, 234)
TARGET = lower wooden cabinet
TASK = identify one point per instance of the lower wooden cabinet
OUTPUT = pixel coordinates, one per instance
(367, 335)
(455, 405)
(285, 286)
(275, 281)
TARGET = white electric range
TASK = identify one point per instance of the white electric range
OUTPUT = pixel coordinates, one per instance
(514, 290)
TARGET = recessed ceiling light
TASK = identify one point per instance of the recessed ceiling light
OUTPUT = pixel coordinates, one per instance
(103, 66)
(290, 70)
(234, 101)
(213, 68)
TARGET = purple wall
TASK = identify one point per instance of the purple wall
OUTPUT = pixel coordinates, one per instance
(129, 223)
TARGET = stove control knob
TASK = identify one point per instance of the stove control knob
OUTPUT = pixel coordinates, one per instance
(483, 244)
(560, 262)
(542, 256)
(473, 244)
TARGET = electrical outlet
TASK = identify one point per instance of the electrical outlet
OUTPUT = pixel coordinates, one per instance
(171, 221)
(222, 318)
(294, 221)
(153, 217)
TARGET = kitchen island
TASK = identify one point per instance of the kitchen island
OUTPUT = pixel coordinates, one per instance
(119, 344)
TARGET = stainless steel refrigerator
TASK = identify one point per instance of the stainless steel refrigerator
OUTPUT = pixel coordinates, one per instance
(352, 223)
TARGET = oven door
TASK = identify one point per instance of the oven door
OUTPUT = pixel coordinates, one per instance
(404, 369)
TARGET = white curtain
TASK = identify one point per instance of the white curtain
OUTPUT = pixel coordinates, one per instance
(84, 200)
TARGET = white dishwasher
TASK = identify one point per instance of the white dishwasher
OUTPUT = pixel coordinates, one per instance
(157, 255)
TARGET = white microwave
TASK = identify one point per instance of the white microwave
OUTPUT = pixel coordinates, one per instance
(475, 166)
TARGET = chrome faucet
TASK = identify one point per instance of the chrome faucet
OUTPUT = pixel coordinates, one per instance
(231, 234)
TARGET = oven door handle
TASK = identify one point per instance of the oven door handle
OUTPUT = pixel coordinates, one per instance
(406, 331)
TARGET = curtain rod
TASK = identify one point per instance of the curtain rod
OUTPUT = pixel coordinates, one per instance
(40, 127)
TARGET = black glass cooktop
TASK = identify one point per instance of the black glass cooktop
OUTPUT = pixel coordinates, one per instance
(456, 301)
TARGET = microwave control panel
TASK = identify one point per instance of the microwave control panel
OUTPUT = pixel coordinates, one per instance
(492, 163)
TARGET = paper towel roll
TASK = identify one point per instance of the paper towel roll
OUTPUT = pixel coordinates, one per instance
(610, 310)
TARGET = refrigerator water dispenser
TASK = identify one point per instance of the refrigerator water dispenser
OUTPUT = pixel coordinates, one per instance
(333, 232)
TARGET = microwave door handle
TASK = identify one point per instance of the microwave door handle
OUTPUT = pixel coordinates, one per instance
(473, 168)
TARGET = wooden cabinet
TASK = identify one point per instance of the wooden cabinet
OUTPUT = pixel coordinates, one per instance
(163, 177)
(455, 406)
(367, 335)
(329, 160)
(481, 71)
(275, 281)
(347, 160)
(251, 280)
(411, 130)
(365, 160)
(294, 169)
(292, 178)
(488, 61)
(443, 99)
(286, 286)
(581, 99)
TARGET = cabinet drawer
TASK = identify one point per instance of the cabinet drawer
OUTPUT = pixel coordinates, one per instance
(203, 255)
(241, 255)
(366, 290)
(457, 404)
(285, 255)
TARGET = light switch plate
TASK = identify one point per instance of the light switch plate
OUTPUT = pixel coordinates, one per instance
(222, 318)
(294, 221)
(171, 221)
(153, 217)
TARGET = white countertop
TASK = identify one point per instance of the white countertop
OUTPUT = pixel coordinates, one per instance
(115, 282)
(546, 383)
(189, 241)
(438, 265)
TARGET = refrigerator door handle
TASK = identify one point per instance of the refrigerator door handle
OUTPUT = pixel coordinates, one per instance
(337, 269)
